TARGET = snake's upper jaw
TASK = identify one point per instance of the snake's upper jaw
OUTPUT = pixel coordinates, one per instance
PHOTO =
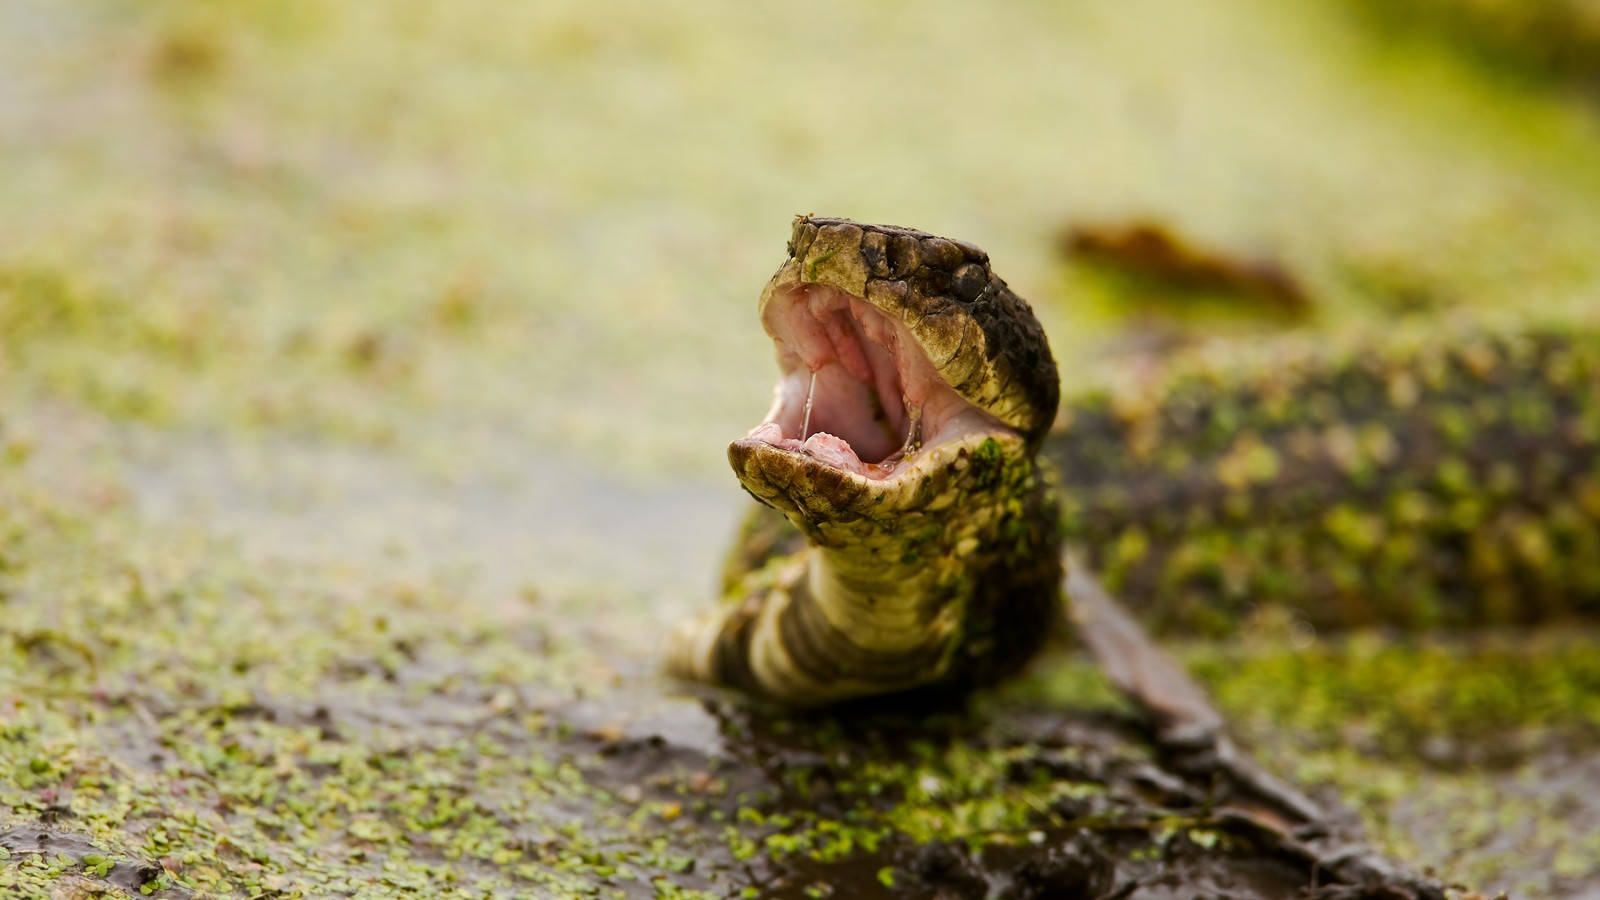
(857, 406)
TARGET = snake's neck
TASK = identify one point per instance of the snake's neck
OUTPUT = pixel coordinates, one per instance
(890, 591)
(908, 580)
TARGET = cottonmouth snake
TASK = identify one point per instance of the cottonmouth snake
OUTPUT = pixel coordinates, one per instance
(911, 536)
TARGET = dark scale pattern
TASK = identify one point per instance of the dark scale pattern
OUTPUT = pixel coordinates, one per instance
(937, 285)
(1448, 482)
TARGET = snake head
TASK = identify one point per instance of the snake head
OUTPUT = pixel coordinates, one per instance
(983, 340)
(902, 358)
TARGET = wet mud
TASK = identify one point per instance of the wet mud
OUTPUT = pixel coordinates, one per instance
(1135, 820)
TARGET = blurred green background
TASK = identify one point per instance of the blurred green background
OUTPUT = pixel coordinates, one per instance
(462, 295)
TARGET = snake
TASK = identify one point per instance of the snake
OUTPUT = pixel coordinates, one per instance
(918, 478)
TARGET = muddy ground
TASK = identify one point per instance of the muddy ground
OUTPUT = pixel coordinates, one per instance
(365, 373)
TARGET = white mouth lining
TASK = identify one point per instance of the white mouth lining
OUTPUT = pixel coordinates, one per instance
(857, 392)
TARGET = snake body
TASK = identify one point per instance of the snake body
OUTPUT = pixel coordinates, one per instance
(909, 534)
(1448, 478)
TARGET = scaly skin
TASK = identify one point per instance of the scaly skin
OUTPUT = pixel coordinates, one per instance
(1445, 480)
(954, 582)
(948, 574)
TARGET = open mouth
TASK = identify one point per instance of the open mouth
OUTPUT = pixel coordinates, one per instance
(856, 391)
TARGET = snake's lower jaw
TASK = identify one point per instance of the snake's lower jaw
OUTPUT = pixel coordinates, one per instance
(795, 482)
(815, 492)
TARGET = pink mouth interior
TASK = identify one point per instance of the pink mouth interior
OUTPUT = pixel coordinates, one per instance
(873, 394)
